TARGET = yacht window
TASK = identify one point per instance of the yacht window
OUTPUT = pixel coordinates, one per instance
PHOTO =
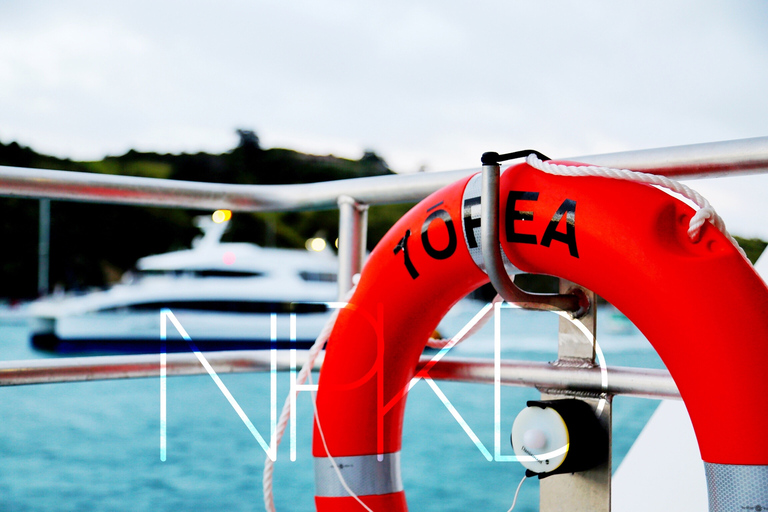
(199, 273)
(227, 306)
(318, 277)
(227, 273)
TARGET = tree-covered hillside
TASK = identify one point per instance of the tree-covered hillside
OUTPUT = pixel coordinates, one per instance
(92, 244)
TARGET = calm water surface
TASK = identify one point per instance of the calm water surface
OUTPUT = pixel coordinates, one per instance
(95, 446)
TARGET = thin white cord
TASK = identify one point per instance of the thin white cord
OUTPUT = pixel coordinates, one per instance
(304, 373)
(328, 453)
(514, 501)
(705, 213)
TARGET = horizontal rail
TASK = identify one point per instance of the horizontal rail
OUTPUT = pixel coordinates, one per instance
(619, 380)
(692, 161)
(745, 156)
(104, 188)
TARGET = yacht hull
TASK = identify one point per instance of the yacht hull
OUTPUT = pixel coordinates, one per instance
(137, 333)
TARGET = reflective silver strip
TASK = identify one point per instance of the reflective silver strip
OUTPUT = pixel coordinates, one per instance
(737, 488)
(470, 217)
(364, 474)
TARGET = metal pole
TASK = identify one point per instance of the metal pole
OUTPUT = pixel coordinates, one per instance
(707, 160)
(353, 227)
(362, 234)
(588, 490)
(747, 156)
(641, 382)
(43, 247)
(104, 188)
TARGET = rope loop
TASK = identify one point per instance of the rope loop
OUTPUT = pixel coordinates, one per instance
(706, 212)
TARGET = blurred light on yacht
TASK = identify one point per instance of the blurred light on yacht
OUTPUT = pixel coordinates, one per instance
(228, 258)
(315, 244)
(220, 216)
(336, 243)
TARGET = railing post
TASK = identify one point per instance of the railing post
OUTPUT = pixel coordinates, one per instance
(43, 247)
(353, 230)
(586, 490)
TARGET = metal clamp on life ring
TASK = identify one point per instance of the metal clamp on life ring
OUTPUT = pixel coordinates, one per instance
(701, 305)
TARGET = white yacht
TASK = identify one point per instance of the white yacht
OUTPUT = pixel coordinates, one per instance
(224, 295)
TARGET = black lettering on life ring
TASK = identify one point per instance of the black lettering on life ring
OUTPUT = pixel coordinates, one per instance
(513, 215)
(451, 247)
(402, 245)
(568, 208)
(469, 223)
(434, 206)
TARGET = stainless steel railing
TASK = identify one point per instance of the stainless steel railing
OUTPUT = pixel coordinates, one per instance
(620, 381)
(692, 161)
(351, 196)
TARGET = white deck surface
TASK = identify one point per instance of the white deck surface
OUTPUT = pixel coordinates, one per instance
(663, 469)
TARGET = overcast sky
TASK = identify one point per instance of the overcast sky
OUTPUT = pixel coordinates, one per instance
(422, 83)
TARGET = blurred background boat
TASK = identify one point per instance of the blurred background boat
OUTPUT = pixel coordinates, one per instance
(225, 295)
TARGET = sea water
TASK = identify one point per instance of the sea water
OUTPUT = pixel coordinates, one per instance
(95, 446)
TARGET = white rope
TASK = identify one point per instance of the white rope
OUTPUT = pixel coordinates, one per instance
(705, 213)
(304, 373)
(514, 501)
(440, 343)
(327, 452)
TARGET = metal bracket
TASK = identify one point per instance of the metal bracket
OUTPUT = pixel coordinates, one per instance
(576, 304)
(586, 490)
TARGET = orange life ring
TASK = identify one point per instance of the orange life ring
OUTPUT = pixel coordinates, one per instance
(701, 305)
